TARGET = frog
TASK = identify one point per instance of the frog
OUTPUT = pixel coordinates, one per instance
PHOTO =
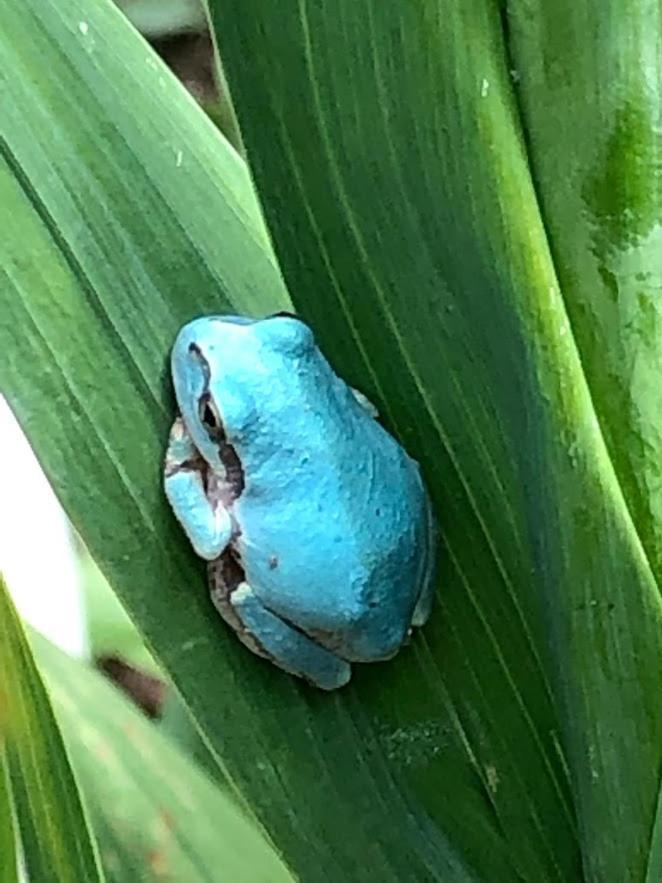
(316, 525)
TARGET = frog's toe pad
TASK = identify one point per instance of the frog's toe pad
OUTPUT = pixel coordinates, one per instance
(284, 645)
(181, 450)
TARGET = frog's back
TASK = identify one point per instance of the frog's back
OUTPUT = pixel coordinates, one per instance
(339, 518)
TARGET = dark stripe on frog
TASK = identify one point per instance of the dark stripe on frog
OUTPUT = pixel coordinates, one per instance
(226, 452)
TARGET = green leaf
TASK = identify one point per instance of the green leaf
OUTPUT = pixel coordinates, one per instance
(654, 869)
(589, 82)
(176, 723)
(110, 630)
(414, 243)
(8, 866)
(155, 813)
(125, 243)
(57, 845)
(598, 188)
(387, 146)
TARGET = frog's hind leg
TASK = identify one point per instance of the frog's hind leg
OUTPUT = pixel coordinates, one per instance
(267, 635)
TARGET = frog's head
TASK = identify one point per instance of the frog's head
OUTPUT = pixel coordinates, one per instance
(224, 366)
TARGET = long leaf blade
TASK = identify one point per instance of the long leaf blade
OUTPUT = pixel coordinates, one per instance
(395, 137)
(598, 186)
(94, 402)
(157, 815)
(599, 189)
(57, 844)
(459, 776)
(8, 866)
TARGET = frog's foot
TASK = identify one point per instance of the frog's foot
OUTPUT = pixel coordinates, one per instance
(268, 635)
(181, 452)
(207, 522)
(424, 604)
(365, 403)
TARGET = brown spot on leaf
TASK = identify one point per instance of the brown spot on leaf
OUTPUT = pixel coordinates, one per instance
(166, 819)
(158, 862)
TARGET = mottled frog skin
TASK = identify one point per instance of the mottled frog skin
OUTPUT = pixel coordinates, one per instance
(315, 521)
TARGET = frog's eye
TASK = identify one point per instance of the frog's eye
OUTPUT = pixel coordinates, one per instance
(289, 333)
(284, 315)
(209, 415)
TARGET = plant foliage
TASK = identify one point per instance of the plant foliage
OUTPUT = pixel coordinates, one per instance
(462, 201)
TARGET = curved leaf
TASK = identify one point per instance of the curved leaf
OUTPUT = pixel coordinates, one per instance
(413, 241)
(125, 242)
(157, 816)
(8, 866)
(386, 143)
(598, 186)
(57, 845)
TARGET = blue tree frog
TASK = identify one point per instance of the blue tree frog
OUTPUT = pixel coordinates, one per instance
(315, 522)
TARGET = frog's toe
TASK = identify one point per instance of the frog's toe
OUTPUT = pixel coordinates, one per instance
(181, 449)
(426, 596)
(423, 605)
(268, 635)
(365, 403)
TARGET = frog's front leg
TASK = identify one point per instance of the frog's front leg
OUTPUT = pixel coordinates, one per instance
(207, 523)
(268, 635)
